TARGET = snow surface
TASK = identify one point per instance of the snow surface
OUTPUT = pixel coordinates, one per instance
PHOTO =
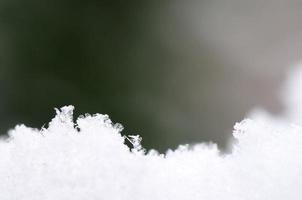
(88, 159)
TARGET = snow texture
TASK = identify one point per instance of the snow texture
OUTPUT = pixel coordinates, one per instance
(88, 159)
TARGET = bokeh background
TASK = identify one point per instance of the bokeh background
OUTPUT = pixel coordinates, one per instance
(172, 71)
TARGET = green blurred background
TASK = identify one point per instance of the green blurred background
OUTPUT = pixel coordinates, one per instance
(172, 71)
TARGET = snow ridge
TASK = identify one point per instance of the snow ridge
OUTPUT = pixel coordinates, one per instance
(88, 159)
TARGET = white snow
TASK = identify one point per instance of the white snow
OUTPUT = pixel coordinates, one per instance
(88, 159)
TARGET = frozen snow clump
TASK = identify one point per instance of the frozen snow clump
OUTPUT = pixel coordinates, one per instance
(88, 159)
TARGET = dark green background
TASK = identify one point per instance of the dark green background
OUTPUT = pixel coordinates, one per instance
(129, 59)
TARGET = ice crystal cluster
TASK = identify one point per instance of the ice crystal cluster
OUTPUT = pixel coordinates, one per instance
(88, 159)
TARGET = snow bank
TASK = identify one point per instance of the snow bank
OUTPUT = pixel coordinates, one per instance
(89, 160)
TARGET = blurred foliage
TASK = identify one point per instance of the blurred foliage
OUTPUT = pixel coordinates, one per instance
(105, 57)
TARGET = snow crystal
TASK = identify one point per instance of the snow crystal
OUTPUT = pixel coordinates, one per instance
(88, 159)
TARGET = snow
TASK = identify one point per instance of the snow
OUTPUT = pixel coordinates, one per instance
(88, 159)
